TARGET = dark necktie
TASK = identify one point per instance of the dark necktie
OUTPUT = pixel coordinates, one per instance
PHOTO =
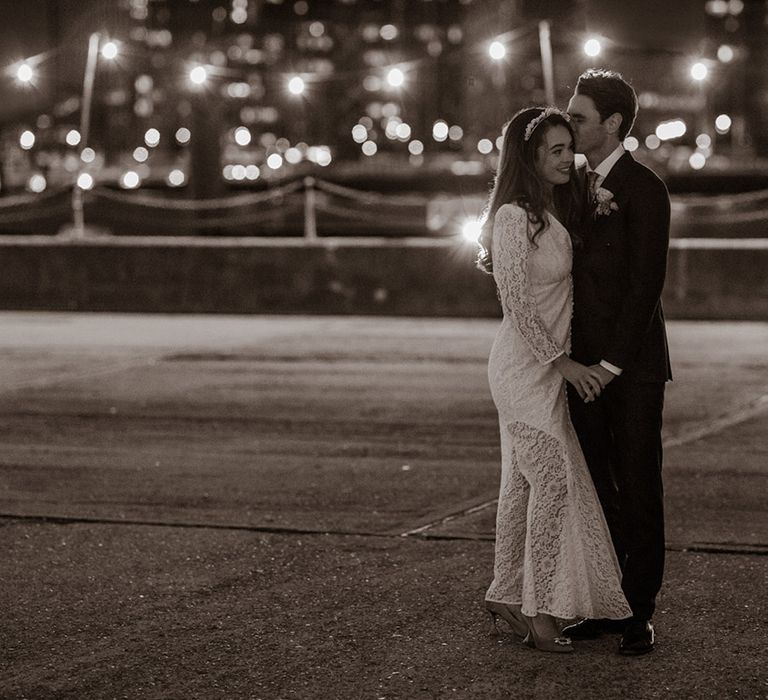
(592, 178)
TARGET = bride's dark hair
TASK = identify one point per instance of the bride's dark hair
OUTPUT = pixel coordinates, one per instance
(518, 182)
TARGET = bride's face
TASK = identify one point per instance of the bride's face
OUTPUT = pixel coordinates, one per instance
(554, 157)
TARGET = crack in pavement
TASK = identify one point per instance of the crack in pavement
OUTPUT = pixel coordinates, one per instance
(746, 549)
(698, 432)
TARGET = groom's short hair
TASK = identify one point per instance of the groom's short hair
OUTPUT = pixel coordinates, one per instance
(610, 93)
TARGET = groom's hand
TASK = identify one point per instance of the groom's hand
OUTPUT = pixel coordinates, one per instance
(605, 376)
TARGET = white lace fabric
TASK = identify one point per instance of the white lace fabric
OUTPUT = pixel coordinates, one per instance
(553, 549)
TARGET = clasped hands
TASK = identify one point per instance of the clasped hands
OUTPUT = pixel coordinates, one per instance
(588, 381)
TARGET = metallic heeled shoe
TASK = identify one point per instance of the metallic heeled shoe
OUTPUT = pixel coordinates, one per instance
(513, 617)
(558, 645)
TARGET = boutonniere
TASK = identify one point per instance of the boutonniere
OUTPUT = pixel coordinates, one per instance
(604, 203)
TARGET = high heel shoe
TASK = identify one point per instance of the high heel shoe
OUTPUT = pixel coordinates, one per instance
(557, 644)
(513, 617)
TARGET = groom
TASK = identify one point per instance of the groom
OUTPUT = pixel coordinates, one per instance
(618, 328)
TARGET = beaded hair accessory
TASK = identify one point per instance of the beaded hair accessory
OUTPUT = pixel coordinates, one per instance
(548, 112)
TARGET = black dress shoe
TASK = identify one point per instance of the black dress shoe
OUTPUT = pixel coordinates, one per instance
(589, 628)
(637, 639)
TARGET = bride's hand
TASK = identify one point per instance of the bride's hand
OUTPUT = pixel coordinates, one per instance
(585, 380)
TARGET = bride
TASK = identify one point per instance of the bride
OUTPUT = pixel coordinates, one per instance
(553, 555)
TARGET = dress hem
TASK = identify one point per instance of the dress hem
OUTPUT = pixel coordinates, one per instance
(592, 614)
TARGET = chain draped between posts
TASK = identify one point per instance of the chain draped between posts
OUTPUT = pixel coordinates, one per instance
(311, 200)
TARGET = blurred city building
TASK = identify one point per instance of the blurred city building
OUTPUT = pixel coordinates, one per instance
(210, 93)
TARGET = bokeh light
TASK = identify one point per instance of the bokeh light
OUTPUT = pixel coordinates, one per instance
(631, 143)
(725, 53)
(152, 137)
(699, 71)
(592, 48)
(85, 181)
(37, 183)
(296, 85)
(652, 142)
(673, 129)
(25, 73)
(130, 180)
(27, 139)
(109, 50)
(485, 146)
(416, 147)
(275, 161)
(697, 161)
(198, 75)
(176, 177)
(723, 123)
(470, 230)
(395, 77)
(440, 130)
(497, 50)
(183, 135)
(242, 136)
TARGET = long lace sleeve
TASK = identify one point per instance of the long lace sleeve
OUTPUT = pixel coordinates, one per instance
(511, 249)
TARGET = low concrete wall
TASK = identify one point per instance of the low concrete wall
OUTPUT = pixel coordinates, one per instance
(410, 277)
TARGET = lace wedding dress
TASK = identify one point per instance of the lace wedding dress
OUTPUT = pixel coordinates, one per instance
(553, 549)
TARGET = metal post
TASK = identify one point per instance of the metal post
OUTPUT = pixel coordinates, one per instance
(545, 47)
(310, 209)
(85, 127)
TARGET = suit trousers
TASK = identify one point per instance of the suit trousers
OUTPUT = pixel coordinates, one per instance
(620, 435)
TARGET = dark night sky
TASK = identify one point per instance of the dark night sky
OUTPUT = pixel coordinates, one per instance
(657, 24)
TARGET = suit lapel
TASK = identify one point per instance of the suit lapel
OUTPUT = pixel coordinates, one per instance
(618, 173)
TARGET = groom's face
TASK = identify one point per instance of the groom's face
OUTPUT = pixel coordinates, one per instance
(589, 128)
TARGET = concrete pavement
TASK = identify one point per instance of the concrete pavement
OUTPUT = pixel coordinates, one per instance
(288, 507)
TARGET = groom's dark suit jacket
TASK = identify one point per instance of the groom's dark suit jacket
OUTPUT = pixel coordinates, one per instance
(618, 275)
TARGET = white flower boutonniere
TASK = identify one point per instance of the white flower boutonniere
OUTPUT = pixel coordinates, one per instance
(604, 203)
